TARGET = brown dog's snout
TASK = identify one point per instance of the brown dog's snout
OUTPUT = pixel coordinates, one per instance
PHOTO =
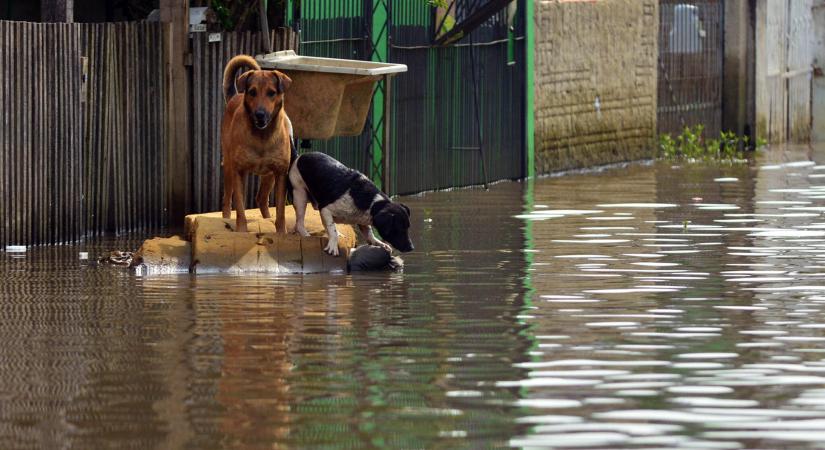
(261, 118)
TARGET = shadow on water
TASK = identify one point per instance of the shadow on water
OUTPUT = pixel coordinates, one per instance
(647, 306)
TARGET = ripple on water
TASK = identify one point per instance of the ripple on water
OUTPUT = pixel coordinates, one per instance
(658, 415)
(714, 402)
(548, 403)
(638, 308)
(570, 440)
(635, 429)
(701, 390)
(710, 355)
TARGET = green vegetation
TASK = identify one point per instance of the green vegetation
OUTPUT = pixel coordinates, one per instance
(242, 15)
(692, 145)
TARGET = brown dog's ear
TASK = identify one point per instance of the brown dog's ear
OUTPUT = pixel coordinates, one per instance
(283, 81)
(243, 81)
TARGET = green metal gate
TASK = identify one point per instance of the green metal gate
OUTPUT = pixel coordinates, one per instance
(337, 29)
(436, 119)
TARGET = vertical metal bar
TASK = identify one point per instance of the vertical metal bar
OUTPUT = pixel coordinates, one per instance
(478, 112)
(385, 141)
(529, 80)
(199, 110)
(5, 148)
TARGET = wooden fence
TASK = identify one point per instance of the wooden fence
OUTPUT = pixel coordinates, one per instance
(84, 138)
(784, 55)
(208, 62)
(41, 140)
(124, 127)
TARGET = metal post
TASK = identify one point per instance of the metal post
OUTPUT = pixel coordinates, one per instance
(529, 101)
(385, 139)
(379, 42)
(478, 112)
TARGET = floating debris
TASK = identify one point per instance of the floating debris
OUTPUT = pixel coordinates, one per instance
(117, 258)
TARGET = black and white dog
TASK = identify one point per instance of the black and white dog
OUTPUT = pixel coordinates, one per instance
(344, 195)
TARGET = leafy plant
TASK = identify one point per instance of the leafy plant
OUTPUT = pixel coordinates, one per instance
(223, 13)
(692, 145)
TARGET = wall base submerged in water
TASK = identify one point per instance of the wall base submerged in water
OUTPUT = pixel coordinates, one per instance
(595, 82)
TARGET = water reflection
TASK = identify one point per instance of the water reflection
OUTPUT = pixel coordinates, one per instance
(94, 357)
(703, 322)
(649, 306)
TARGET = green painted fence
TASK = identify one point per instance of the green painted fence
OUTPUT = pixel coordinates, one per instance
(435, 133)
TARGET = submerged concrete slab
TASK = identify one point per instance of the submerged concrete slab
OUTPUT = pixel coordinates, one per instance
(210, 245)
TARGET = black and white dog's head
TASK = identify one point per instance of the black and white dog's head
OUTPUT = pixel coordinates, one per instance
(393, 223)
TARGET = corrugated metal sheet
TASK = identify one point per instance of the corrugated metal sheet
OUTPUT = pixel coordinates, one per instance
(124, 132)
(41, 144)
(80, 159)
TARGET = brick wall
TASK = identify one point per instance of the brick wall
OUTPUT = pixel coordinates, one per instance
(595, 82)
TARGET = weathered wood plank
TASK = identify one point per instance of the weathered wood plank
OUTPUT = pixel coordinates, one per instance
(800, 58)
(174, 12)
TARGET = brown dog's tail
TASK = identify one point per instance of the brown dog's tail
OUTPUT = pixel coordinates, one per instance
(229, 73)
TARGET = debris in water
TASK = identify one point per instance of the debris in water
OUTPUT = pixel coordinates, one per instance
(15, 249)
(117, 258)
(373, 257)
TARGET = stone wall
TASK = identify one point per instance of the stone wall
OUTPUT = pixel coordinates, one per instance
(595, 82)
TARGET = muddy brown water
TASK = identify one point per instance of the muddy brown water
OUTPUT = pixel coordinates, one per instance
(646, 306)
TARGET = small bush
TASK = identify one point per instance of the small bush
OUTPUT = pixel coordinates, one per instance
(692, 145)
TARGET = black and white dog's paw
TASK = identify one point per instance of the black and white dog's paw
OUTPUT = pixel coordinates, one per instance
(332, 247)
(383, 245)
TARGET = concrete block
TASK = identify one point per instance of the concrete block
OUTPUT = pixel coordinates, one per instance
(163, 255)
(312, 249)
(216, 247)
(210, 245)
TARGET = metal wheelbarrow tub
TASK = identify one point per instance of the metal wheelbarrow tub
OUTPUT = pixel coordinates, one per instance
(328, 97)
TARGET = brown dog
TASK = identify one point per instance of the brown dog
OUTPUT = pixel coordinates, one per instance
(255, 137)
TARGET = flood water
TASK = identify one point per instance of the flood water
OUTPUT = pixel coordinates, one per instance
(646, 306)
